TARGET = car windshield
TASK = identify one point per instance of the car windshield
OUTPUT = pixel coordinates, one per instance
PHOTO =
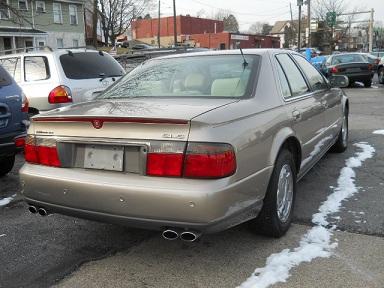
(347, 58)
(90, 65)
(193, 76)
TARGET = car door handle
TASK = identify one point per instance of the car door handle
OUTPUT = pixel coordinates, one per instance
(324, 103)
(296, 115)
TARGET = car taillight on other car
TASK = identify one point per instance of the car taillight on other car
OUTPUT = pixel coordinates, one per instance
(24, 104)
(334, 70)
(20, 142)
(41, 151)
(370, 67)
(61, 94)
(197, 160)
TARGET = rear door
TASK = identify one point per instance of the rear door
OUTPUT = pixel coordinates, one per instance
(330, 99)
(87, 74)
(304, 108)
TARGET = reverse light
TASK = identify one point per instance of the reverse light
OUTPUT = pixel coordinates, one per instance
(197, 160)
(61, 94)
(41, 151)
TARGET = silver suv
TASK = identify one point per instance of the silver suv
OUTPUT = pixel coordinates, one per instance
(52, 79)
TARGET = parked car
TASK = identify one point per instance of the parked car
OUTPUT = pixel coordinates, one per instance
(374, 60)
(353, 65)
(142, 47)
(189, 144)
(124, 44)
(380, 70)
(52, 79)
(13, 121)
(379, 53)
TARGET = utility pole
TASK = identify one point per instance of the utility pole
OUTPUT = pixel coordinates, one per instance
(158, 28)
(174, 24)
(371, 31)
(299, 3)
(309, 23)
(94, 23)
(290, 40)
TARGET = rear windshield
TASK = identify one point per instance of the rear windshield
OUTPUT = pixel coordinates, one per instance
(189, 76)
(347, 58)
(90, 65)
(5, 78)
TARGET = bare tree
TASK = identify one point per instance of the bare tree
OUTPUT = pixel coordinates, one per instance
(118, 15)
(256, 28)
(14, 14)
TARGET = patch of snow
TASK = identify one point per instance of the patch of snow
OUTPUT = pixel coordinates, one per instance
(362, 213)
(316, 243)
(6, 201)
(378, 132)
(358, 221)
(2, 235)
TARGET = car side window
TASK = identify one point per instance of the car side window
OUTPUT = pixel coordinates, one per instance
(36, 68)
(295, 78)
(314, 77)
(283, 82)
(13, 67)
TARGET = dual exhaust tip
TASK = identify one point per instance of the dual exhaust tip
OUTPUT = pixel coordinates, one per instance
(187, 236)
(35, 210)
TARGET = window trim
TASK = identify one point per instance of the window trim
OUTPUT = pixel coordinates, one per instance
(46, 67)
(8, 12)
(75, 14)
(44, 8)
(26, 5)
(60, 10)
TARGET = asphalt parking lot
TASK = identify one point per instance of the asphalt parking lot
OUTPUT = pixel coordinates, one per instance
(67, 252)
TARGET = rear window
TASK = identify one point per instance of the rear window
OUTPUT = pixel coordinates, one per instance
(90, 65)
(5, 78)
(347, 58)
(189, 76)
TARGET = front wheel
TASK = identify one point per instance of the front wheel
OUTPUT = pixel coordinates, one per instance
(276, 215)
(6, 165)
(342, 140)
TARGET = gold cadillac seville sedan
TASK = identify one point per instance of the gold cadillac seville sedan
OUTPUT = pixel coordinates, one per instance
(189, 144)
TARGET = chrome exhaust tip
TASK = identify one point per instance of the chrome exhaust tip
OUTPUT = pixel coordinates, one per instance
(42, 212)
(32, 209)
(170, 234)
(189, 236)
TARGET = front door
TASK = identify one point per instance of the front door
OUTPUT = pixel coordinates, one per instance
(7, 45)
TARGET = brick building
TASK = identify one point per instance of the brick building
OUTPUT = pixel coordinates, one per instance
(197, 32)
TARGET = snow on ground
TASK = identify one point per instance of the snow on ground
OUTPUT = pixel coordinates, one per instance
(317, 242)
(6, 200)
(379, 132)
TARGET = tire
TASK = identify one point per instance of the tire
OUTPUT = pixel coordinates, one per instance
(342, 139)
(6, 165)
(380, 73)
(270, 221)
(368, 83)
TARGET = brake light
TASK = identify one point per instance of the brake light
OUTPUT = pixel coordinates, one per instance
(61, 94)
(41, 151)
(24, 104)
(20, 142)
(334, 70)
(200, 160)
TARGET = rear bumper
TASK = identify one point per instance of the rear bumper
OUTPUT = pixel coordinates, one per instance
(145, 202)
(7, 144)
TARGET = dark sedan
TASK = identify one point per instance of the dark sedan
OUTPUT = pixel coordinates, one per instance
(353, 65)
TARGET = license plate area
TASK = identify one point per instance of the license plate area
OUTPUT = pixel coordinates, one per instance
(354, 70)
(104, 157)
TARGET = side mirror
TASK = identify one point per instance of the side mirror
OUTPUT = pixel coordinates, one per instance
(339, 81)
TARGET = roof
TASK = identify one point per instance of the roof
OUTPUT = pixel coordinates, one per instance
(8, 31)
(279, 25)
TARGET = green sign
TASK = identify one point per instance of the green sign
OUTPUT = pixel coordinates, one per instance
(331, 19)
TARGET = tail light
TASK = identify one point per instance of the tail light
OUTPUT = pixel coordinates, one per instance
(61, 94)
(41, 151)
(370, 67)
(20, 142)
(198, 160)
(334, 70)
(24, 104)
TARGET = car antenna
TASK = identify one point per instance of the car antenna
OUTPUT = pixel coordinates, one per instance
(245, 63)
(70, 53)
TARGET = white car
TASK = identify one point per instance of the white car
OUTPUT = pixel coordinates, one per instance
(55, 78)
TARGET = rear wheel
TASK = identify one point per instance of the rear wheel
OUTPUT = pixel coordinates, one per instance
(6, 164)
(381, 75)
(368, 83)
(342, 140)
(276, 215)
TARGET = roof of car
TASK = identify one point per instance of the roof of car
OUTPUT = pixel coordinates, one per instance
(47, 51)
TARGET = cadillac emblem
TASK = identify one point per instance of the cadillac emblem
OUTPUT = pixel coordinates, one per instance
(97, 123)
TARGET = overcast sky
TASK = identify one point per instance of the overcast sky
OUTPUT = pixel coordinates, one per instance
(250, 11)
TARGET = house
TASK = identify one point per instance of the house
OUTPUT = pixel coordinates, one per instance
(287, 31)
(33, 23)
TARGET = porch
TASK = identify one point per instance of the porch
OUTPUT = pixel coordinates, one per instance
(14, 40)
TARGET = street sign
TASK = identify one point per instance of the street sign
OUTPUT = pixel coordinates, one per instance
(331, 19)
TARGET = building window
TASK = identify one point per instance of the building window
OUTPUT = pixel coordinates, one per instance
(23, 5)
(40, 6)
(60, 43)
(4, 11)
(73, 15)
(75, 43)
(57, 13)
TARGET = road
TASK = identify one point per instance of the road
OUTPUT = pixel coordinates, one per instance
(68, 252)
